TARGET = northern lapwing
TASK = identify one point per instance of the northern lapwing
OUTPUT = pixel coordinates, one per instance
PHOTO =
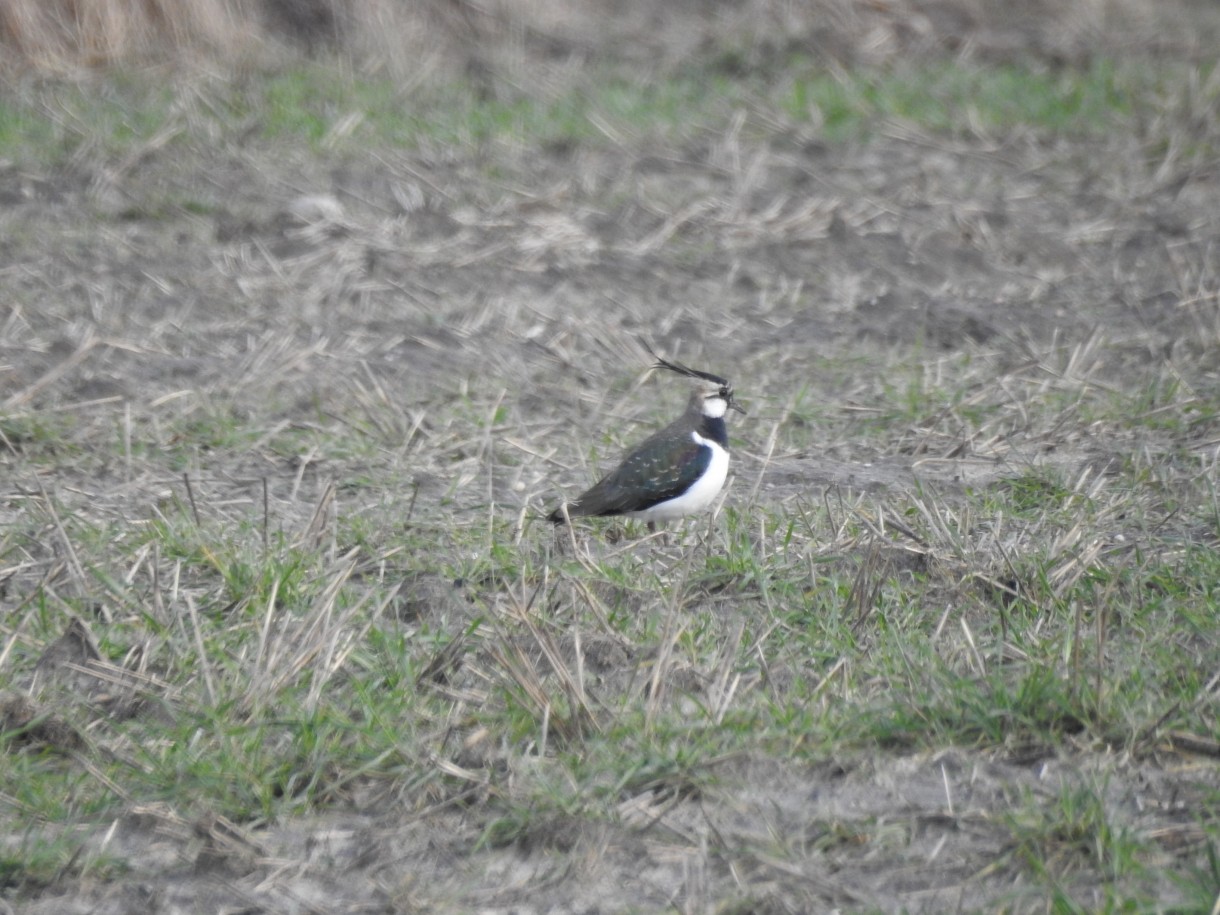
(674, 472)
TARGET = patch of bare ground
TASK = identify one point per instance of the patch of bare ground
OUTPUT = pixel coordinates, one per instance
(389, 362)
(905, 833)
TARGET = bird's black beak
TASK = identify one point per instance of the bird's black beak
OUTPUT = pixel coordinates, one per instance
(734, 405)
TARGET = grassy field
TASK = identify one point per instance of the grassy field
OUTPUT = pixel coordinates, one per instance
(294, 361)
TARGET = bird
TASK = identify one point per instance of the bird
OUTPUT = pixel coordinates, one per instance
(676, 471)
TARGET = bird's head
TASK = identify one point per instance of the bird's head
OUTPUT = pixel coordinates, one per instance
(713, 393)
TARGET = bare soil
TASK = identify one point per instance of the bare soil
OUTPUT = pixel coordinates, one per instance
(301, 288)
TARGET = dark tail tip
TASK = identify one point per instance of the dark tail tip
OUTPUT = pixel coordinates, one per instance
(557, 516)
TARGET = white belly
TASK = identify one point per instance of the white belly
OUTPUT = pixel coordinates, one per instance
(699, 496)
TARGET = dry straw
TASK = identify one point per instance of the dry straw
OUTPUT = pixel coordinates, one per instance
(69, 36)
(483, 40)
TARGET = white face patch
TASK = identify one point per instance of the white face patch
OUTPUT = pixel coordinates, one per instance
(699, 496)
(715, 406)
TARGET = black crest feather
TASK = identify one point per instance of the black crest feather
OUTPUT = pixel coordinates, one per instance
(684, 370)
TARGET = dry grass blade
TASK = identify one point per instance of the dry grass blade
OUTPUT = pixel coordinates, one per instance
(445, 663)
(477, 779)
(867, 585)
(661, 669)
(571, 718)
(1194, 743)
(1207, 694)
(123, 678)
(598, 609)
(53, 571)
(62, 368)
(1069, 569)
(532, 692)
(73, 558)
(319, 642)
(722, 690)
(571, 681)
(110, 784)
(311, 536)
